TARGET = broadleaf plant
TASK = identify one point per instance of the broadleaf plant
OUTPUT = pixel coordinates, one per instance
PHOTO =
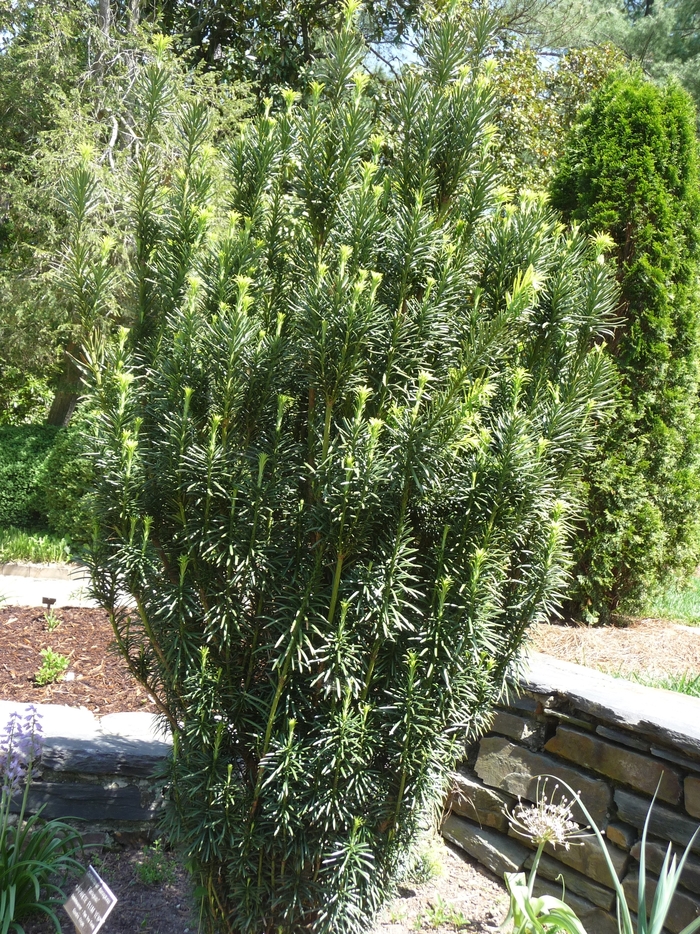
(336, 459)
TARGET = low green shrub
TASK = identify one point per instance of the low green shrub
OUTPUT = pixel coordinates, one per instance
(64, 481)
(23, 452)
(24, 397)
(52, 667)
(336, 468)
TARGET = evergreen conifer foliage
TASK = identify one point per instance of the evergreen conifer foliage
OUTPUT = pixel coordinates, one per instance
(336, 461)
(631, 171)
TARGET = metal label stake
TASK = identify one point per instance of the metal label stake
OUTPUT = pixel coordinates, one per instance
(90, 903)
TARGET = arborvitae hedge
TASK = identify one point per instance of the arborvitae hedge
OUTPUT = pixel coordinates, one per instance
(631, 170)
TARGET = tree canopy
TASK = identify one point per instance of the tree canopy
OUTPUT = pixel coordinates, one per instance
(661, 36)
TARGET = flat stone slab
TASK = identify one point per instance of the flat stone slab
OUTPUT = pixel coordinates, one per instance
(684, 908)
(87, 802)
(523, 729)
(116, 744)
(472, 799)
(594, 919)
(514, 769)
(617, 762)
(552, 869)
(620, 736)
(672, 717)
(64, 571)
(492, 849)
(664, 823)
(692, 796)
(622, 835)
(586, 856)
(654, 855)
(25, 590)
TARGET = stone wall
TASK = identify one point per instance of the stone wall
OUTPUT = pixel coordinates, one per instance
(613, 742)
(97, 769)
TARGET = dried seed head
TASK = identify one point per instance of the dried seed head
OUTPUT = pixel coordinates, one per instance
(547, 821)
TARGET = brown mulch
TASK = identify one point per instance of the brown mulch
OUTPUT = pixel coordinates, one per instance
(165, 906)
(649, 647)
(100, 680)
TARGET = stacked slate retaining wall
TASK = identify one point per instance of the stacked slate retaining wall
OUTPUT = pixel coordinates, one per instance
(613, 742)
(97, 770)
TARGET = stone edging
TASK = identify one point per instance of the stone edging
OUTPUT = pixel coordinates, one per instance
(671, 717)
(61, 572)
(96, 769)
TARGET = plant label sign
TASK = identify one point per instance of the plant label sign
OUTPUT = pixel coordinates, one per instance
(90, 903)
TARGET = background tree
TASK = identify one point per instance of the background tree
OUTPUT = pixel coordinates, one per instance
(42, 57)
(631, 170)
(67, 83)
(336, 457)
(537, 104)
(271, 42)
(661, 36)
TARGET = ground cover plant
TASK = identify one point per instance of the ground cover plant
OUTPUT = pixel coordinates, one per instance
(336, 459)
(52, 667)
(37, 547)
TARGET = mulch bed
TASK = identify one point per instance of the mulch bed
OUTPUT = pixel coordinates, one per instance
(653, 648)
(100, 680)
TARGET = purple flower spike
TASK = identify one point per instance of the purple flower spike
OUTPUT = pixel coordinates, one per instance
(20, 746)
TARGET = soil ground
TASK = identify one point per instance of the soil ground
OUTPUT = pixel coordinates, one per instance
(162, 904)
(459, 896)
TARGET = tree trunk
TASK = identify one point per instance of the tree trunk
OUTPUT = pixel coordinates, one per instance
(104, 16)
(134, 14)
(68, 391)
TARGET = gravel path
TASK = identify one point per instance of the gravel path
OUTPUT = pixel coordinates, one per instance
(27, 585)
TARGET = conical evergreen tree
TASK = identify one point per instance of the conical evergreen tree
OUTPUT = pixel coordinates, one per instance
(336, 459)
(631, 170)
